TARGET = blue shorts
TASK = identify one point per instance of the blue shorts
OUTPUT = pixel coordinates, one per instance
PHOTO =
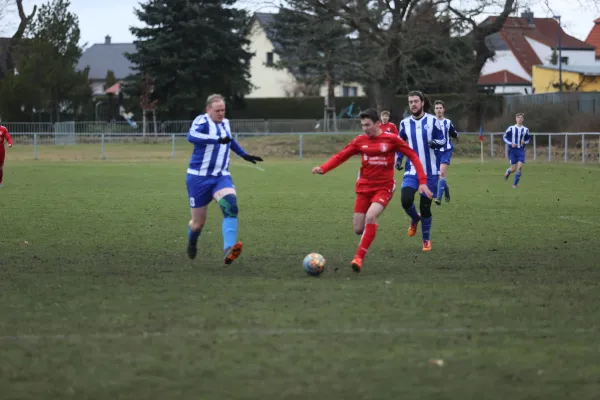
(201, 189)
(412, 181)
(444, 156)
(516, 155)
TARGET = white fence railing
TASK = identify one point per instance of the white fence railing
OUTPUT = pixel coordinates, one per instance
(581, 147)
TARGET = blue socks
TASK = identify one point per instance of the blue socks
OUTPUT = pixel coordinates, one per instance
(426, 228)
(517, 178)
(193, 236)
(412, 212)
(507, 174)
(441, 188)
(230, 229)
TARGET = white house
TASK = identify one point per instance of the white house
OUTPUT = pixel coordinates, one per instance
(524, 42)
(271, 82)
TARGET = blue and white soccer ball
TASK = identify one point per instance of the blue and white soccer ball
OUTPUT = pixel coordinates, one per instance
(314, 264)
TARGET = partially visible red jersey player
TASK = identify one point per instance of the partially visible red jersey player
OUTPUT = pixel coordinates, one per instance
(375, 185)
(385, 124)
(4, 135)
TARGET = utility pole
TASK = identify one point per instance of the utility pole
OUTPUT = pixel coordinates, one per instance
(560, 81)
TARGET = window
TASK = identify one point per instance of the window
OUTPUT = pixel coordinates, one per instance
(349, 91)
(565, 60)
(270, 58)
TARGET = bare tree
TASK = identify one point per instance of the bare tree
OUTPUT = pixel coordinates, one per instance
(391, 37)
(465, 19)
(8, 64)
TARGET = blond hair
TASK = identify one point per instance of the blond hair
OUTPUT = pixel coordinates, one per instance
(213, 98)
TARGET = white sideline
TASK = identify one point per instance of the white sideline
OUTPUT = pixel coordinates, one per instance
(248, 166)
(290, 331)
(579, 220)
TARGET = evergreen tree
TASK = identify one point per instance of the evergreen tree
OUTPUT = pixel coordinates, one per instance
(191, 48)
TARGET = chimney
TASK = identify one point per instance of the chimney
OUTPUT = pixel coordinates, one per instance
(528, 15)
(106, 39)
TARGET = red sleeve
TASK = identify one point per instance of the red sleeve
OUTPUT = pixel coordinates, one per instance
(337, 160)
(394, 129)
(402, 147)
(8, 138)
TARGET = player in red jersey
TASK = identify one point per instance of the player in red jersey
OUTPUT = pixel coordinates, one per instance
(4, 135)
(385, 124)
(375, 185)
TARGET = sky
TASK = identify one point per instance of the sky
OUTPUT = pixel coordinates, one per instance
(98, 18)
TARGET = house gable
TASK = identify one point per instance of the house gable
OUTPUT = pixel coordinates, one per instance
(593, 38)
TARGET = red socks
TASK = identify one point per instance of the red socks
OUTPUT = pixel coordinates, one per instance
(1, 174)
(366, 239)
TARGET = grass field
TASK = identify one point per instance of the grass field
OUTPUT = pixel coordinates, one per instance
(103, 303)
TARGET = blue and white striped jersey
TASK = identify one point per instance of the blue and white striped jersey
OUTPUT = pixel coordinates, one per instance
(418, 133)
(514, 134)
(211, 158)
(449, 132)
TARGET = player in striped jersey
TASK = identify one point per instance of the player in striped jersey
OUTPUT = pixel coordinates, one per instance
(516, 136)
(208, 176)
(444, 153)
(423, 135)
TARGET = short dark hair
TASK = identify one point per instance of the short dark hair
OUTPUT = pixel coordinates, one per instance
(423, 97)
(435, 103)
(370, 113)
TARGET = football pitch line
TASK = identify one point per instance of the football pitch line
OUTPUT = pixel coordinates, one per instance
(581, 221)
(76, 337)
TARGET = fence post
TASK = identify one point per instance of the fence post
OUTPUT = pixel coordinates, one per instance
(35, 146)
(549, 147)
(102, 141)
(300, 150)
(491, 145)
(583, 148)
(534, 148)
(173, 146)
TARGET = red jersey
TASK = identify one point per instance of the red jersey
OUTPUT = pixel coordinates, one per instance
(4, 135)
(390, 127)
(378, 160)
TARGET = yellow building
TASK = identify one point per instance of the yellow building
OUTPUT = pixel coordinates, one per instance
(576, 78)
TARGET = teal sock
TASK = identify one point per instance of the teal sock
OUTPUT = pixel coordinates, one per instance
(230, 229)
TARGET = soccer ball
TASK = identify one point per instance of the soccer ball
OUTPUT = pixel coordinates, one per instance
(314, 264)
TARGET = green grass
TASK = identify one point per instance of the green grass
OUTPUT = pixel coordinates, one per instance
(104, 304)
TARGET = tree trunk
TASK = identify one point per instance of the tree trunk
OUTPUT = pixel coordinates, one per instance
(9, 61)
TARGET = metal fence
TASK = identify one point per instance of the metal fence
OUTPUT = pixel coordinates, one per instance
(300, 138)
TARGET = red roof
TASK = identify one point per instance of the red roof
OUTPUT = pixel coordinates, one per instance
(544, 30)
(503, 77)
(114, 89)
(593, 38)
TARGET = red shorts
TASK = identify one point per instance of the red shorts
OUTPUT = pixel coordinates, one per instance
(365, 199)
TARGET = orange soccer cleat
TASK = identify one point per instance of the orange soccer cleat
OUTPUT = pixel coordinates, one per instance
(357, 264)
(412, 229)
(426, 245)
(232, 253)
